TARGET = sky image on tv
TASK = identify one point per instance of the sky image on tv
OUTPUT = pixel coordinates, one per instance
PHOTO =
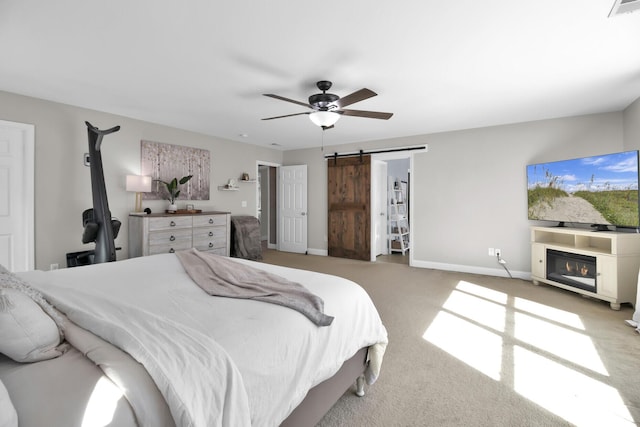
(591, 190)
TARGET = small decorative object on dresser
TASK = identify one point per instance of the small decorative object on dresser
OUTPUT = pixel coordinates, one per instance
(173, 191)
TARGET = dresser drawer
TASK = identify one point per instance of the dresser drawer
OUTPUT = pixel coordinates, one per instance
(218, 233)
(168, 223)
(170, 236)
(217, 251)
(207, 245)
(209, 220)
(168, 249)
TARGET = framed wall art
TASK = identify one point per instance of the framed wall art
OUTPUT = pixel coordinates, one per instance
(167, 161)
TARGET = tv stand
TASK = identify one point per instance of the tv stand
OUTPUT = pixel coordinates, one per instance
(617, 259)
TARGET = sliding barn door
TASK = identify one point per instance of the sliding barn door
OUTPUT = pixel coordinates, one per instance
(349, 193)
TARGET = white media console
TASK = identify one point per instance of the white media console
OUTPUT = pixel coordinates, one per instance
(602, 264)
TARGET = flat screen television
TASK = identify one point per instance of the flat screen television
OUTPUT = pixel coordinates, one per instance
(601, 191)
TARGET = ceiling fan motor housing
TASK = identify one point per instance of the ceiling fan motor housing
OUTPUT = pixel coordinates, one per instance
(322, 101)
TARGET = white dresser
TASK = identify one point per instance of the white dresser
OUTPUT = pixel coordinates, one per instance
(167, 233)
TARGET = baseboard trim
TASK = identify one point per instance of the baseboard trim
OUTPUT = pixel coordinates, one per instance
(485, 271)
(321, 252)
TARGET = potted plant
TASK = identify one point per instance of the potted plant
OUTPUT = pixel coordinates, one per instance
(173, 190)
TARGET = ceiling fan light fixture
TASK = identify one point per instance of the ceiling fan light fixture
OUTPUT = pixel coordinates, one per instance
(324, 118)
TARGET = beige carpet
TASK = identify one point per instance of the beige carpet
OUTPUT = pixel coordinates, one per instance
(471, 350)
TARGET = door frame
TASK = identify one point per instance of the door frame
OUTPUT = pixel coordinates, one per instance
(28, 195)
(377, 196)
(275, 217)
(398, 155)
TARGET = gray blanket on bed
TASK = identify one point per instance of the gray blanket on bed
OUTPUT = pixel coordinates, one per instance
(221, 276)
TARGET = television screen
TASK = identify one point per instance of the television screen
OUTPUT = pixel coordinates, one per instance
(599, 190)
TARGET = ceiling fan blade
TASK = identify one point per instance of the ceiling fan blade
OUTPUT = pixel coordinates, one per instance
(357, 96)
(368, 114)
(282, 98)
(288, 115)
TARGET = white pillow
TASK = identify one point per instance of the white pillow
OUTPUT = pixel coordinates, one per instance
(27, 333)
(8, 415)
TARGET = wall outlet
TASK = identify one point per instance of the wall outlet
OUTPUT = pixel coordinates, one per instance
(498, 253)
(53, 266)
(491, 252)
(244, 203)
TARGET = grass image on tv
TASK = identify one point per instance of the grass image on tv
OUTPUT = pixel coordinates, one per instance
(598, 190)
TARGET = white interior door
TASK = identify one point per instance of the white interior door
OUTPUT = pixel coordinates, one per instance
(292, 208)
(16, 196)
(378, 209)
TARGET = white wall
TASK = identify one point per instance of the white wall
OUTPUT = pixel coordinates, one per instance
(470, 187)
(63, 183)
(632, 126)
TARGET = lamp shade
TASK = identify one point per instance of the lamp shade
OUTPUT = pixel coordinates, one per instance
(324, 118)
(139, 184)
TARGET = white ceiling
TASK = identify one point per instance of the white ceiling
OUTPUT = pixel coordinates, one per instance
(203, 65)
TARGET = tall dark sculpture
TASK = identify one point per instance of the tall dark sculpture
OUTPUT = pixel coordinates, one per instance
(99, 226)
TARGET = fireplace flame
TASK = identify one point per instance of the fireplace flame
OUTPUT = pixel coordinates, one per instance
(584, 270)
(569, 267)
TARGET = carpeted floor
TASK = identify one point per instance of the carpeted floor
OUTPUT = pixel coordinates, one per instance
(471, 350)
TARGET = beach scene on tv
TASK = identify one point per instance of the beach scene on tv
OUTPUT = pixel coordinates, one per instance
(599, 190)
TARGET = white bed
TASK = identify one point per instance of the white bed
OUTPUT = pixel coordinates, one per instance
(213, 361)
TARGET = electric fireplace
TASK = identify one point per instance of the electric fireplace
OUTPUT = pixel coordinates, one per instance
(572, 269)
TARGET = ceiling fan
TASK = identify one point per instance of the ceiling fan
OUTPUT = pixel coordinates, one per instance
(327, 107)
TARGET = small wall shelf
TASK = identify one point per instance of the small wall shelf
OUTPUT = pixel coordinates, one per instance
(249, 181)
(225, 188)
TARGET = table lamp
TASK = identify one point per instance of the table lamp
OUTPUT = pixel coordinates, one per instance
(139, 184)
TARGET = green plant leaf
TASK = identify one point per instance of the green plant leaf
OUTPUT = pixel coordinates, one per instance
(185, 179)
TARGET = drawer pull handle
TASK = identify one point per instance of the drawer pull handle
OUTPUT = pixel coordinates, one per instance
(172, 238)
(210, 220)
(172, 223)
(171, 250)
(210, 244)
(210, 233)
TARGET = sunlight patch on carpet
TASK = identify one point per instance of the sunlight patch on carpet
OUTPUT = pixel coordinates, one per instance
(549, 313)
(478, 310)
(576, 397)
(545, 352)
(481, 291)
(570, 345)
(480, 348)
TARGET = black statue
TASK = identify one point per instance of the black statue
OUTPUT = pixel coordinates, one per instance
(99, 226)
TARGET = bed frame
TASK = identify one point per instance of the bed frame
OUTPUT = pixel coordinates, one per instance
(323, 396)
(44, 392)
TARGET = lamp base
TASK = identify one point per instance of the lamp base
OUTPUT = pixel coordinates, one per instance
(138, 202)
